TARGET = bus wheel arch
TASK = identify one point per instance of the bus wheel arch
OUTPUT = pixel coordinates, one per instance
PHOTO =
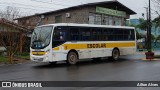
(115, 54)
(72, 57)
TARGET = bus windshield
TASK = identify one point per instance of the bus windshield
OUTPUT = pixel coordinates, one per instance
(41, 37)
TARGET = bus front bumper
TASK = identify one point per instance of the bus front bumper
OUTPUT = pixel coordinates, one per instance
(44, 58)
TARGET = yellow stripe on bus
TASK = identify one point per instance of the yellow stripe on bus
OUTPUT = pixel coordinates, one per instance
(56, 48)
(112, 45)
(74, 46)
(38, 52)
(98, 45)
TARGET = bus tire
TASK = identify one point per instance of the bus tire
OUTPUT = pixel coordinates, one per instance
(115, 55)
(72, 58)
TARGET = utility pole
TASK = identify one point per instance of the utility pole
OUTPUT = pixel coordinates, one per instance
(149, 28)
(147, 18)
(149, 54)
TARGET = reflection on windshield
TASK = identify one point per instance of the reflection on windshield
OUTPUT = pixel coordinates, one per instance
(41, 37)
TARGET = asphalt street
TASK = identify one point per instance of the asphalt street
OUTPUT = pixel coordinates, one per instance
(128, 68)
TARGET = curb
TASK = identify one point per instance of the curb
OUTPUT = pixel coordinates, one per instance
(156, 59)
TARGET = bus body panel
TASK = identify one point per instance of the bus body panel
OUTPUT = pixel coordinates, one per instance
(84, 53)
(85, 49)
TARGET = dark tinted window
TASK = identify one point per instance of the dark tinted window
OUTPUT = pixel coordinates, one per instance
(60, 34)
(85, 34)
(116, 34)
(74, 33)
(97, 34)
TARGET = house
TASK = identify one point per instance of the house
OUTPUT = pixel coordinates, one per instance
(10, 34)
(101, 13)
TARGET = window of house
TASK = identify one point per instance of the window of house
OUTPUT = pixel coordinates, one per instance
(95, 19)
(91, 19)
(98, 19)
(58, 19)
(106, 20)
(110, 20)
(118, 21)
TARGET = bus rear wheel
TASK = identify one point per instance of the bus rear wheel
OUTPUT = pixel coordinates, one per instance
(115, 54)
(72, 58)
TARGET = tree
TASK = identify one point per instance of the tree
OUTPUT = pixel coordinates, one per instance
(142, 24)
(157, 5)
(157, 22)
(157, 10)
(157, 39)
(12, 35)
(10, 13)
(137, 33)
(152, 37)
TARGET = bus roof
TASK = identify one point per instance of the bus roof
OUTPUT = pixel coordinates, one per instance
(86, 25)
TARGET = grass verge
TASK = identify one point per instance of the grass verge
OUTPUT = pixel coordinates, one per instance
(3, 59)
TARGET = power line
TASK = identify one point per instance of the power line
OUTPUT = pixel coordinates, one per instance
(21, 7)
(51, 3)
(28, 5)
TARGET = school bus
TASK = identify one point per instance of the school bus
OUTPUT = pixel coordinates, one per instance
(73, 42)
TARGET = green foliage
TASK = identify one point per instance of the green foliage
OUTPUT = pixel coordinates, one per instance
(158, 38)
(3, 59)
(24, 55)
(157, 22)
(143, 24)
(138, 35)
(152, 37)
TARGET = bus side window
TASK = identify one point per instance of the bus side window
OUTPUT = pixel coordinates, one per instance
(120, 35)
(126, 34)
(74, 33)
(105, 34)
(112, 34)
(62, 35)
(132, 35)
(94, 34)
(59, 33)
(85, 34)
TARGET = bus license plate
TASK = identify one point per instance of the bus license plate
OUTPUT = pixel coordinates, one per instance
(38, 59)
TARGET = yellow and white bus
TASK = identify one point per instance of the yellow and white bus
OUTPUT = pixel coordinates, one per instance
(73, 42)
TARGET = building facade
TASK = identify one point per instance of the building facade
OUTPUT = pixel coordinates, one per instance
(101, 13)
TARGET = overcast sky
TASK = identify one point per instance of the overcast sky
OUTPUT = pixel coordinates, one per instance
(29, 7)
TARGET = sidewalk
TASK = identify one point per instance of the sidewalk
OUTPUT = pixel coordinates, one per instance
(142, 51)
(156, 52)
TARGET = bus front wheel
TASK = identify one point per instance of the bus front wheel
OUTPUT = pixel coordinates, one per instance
(115, 54)
(72, 58)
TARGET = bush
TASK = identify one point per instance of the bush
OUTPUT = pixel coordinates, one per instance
(22, 54)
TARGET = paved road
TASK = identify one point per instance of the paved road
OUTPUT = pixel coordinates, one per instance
(129, 68)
